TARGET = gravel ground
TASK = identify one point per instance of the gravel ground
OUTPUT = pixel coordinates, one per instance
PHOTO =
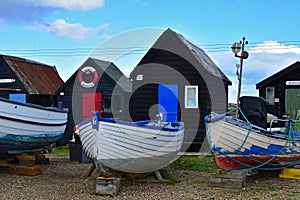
(63, 179)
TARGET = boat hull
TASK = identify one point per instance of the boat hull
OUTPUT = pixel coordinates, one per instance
(238, 145)
(27, 127)
(237, 162)
(130, 147)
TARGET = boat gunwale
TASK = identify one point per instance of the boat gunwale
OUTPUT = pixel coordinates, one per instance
(53, 109)
(253, 128)
(32, 122)
(138, 124)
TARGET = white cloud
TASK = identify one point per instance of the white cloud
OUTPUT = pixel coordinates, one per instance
(33, 11)
(75, 31)
(275, 47)
(69, 4)
(265, 59)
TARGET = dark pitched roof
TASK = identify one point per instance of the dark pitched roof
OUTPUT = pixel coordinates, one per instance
(294, 67)
(36, 77)
(114, 73)
(176, 43)
(106, 67)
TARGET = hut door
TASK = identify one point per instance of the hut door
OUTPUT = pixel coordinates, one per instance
(91, 102)
(168, 102)
(292, 102)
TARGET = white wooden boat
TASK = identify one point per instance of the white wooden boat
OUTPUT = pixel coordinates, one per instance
(131, 147)
(238, 144)
(28, 127)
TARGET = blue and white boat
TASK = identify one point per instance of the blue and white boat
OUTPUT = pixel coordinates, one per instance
(131, 147)
(29, 128)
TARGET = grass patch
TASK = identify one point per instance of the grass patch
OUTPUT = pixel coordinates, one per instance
(170, 182)
(195, 163)
(61, 151)
(295, 193)
(275, 195)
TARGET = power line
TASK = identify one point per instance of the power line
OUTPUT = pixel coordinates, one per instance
(135, 50)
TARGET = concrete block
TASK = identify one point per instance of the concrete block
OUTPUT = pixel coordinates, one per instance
(107, 186)
(228, 179)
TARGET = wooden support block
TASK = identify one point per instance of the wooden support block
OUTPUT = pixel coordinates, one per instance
(26, 160)
(25, 157)
(25, 170)
(90, 171)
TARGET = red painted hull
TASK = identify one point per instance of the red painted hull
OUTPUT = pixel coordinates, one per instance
(235, 162)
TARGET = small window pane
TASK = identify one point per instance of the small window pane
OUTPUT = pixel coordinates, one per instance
(270, 95)
(107, 104)
(191, 96)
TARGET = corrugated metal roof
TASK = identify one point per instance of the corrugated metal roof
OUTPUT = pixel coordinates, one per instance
(37, 78)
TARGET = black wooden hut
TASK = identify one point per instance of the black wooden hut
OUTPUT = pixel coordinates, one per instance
(178, 81)
(28, 81)
(96, 86)
(282, 91)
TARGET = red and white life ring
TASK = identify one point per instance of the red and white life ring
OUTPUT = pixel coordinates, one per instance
(88, 70)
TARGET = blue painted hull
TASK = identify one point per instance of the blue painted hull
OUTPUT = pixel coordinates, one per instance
(16, 144)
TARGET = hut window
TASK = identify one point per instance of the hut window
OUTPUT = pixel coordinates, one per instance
(107, 104)
(112, 103)
(191, 96)
(270, 95)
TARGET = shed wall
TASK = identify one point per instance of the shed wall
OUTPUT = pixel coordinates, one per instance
(164, 67)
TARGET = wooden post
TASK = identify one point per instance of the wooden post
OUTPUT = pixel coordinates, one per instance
(244, 55)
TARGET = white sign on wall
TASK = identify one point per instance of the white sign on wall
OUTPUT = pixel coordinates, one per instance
(139, 77)
(292, 82)
(7, 80)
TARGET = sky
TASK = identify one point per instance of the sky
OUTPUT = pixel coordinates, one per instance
(65, 33)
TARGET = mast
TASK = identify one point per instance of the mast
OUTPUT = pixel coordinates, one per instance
(236, 48)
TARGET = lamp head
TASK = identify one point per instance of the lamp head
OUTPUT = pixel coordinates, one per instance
(236, 48)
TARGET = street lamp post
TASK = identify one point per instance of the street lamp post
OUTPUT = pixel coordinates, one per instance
(236, 48)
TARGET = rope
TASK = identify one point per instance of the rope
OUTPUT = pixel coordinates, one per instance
(249, 130)
(291, 138)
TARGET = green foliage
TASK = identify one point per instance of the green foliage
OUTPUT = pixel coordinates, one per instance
(275, 194)
(61, 151)
(295, 193)
(195, 163)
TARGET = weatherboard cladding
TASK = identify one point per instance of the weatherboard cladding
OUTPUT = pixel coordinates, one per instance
(278, 81)
(291, 72)
(36, 78)
(174, 60)
(111, 80)
(6, 72)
